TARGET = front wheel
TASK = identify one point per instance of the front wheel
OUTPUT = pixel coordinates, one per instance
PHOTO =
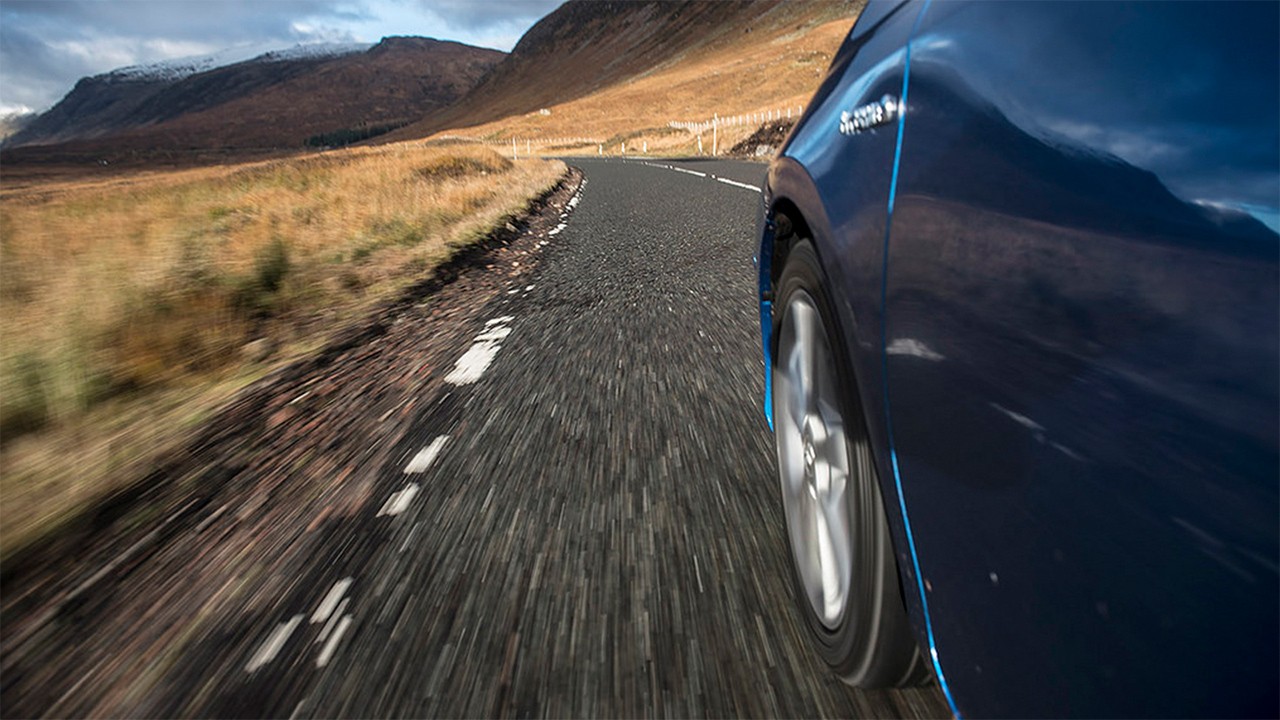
(842, 555)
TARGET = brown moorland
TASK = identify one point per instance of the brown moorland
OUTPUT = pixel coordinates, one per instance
(663, 62)
(131, 307)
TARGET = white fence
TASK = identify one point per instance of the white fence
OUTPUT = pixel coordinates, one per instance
(516, 145)
(527, 143)
(754, 118)
(716, 122)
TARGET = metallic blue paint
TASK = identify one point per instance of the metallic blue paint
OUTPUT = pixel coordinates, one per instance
(764, 268)
(931, 642)
(1075, 327)
(850, 242)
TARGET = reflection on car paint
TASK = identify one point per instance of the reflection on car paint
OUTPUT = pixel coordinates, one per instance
(1078, 330)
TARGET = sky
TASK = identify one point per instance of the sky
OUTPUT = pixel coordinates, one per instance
(47, 45)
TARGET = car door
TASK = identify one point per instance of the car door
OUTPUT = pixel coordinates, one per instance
(1081, 353)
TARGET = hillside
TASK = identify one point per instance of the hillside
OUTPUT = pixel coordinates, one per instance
(615, 70)
(612, 71)
(271, 101)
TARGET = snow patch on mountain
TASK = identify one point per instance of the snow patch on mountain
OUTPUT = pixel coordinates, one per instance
(179, 68)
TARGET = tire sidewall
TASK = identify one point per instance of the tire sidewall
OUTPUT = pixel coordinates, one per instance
(803, 272)
(872, 644)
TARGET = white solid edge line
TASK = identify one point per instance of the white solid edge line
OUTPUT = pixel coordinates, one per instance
(726, 181)
(330, 601)
(271, 646)
(426, 456)
(326, 653)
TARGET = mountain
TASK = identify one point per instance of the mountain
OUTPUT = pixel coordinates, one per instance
(13, 122)
(274, 100)
(606, 69)
(587, 45)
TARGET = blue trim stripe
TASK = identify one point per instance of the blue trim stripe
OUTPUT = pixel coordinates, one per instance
(766, 324)
(884, 367)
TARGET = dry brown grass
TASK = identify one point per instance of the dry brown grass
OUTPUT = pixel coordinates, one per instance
(772, 71)
(125, 304)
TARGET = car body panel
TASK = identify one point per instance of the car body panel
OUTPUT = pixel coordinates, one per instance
(1079, 343)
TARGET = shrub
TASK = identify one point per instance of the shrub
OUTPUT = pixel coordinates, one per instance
(457, 166)
(24, 401)
(254, 296)
(346, 136)
(271, 265)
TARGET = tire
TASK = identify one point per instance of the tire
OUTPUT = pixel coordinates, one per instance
(842, 560)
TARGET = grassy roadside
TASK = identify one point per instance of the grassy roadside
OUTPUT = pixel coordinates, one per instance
(129, 309)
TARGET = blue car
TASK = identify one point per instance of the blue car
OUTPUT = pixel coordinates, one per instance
(1018, 291)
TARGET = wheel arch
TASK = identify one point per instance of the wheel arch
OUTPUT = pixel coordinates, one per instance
(792, 210)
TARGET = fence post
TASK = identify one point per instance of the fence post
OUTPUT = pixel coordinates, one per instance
(513, 149)
(715, 134)
(646, 147)
(699, 144)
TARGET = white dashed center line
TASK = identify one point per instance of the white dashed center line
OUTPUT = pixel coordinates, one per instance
(328, 627)
(399, 502)
(326, 653)
(426, 456)
(688, 172)
(271, 646)
(330, 601)
(476, 360)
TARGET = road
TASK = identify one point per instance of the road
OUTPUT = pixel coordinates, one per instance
(576, 517)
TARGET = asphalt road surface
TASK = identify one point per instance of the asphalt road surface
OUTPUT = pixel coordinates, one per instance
(580, 517)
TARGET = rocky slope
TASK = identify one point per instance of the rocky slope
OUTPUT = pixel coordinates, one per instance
(273, 100)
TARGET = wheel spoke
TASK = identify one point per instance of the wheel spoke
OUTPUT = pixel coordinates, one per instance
(790, 459)
(804, 370)
(833, 448)
(835, 519)
(808, 534)
(797, 397)
(830, 563)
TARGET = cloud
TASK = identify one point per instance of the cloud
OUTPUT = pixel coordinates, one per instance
(203, 21)
(484, 14)
(32, 71)
(47, 45)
